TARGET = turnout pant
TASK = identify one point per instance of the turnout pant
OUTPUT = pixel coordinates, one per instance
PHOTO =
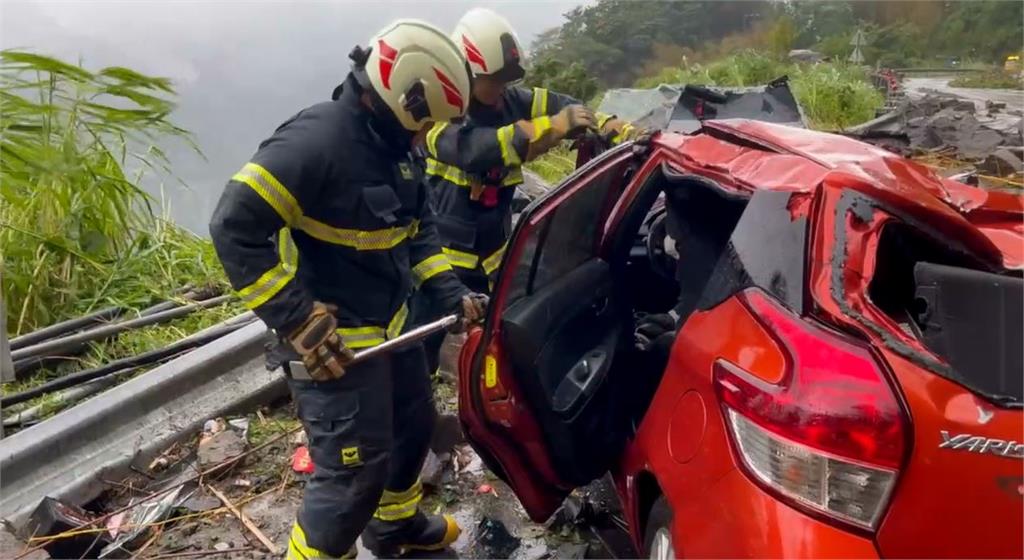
(369, 432)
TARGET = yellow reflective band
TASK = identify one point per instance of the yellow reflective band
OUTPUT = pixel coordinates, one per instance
(447, 172)
(492, 262)
(354, 339)
(461, 259)
(360, 240)
(460, 178)
(299, 550)
(372, 335)
(271, 190)
(389, 497)
(397, 322)
(539, 108)
(435, 131)
(602, 119)
(399, 505)
(509, 155)
(275, 279)
(430, 267)
(541, 125)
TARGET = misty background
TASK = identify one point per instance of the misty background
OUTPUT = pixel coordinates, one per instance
(240, 67)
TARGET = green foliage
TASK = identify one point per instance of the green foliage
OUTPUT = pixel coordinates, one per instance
(555, 165)
(996, 80)
(833, 95)
(782, 36)
(618, 41)
(570, 79)
(76, 230)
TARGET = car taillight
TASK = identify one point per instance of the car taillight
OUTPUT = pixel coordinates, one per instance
(829, 437)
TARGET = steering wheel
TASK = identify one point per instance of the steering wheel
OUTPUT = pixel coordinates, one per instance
(662, 263)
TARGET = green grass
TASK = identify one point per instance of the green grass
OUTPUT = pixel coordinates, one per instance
(990, 80)
(833, 95)
(77, 232)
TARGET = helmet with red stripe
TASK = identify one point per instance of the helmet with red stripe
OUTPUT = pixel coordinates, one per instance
(416, 71)
(490, 45)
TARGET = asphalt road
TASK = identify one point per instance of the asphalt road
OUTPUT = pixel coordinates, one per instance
(917, 87)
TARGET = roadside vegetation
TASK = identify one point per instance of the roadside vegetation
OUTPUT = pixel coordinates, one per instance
(77, 232)
(833, 95)
(992, 80)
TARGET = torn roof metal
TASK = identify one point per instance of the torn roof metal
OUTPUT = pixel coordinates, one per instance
(683, 108)
(751, 155)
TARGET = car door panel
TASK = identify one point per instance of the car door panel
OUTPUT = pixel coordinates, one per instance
(535, 383)
(556, 329)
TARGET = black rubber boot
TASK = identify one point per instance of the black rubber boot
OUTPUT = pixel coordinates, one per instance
(391, 539)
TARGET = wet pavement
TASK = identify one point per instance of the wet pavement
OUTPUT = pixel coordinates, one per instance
(918, 87)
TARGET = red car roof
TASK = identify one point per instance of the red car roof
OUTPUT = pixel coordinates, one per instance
(757, 156)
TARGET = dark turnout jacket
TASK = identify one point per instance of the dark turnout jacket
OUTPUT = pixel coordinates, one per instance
(328, 210)
(486, 149)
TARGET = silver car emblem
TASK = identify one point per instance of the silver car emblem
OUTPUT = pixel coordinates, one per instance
(983, 445)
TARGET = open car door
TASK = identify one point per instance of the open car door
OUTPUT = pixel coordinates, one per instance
(535, 397)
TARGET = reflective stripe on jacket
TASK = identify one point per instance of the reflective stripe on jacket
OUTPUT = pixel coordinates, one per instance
(326, 210)
(486, 150)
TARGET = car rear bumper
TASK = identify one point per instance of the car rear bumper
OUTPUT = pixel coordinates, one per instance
(736, 519)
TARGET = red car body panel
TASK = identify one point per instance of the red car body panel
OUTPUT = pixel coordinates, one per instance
(945, 503)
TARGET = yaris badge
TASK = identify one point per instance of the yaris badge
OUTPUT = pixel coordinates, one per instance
(978, 444)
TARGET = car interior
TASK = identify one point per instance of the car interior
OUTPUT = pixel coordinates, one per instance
(568, 327)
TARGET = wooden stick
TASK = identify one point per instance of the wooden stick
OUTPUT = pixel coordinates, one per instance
(196, 553)
(245, 520)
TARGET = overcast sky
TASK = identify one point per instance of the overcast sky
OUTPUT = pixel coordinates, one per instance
(240, 67)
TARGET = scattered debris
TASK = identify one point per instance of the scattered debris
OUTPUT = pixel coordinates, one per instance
(486, 489)
(466, 461)
(221, 546)
(943, 122)
(218, 444)
(433, 468)
(267, 543)
(495, 539)
(1004, 162)
(301, 462)
(299, 438)
(141, 516)
(52, 517)
(200, 501)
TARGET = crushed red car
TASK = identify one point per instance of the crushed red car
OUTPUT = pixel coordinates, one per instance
(849, 383)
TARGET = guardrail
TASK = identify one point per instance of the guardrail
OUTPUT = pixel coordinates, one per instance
(65, 456)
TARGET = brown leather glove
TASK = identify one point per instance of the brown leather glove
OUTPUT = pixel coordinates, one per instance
(321, 348)
(472, 309)
(571, 119)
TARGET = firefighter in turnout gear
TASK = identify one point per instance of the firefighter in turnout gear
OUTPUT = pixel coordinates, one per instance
(323, 234)
(474, 166)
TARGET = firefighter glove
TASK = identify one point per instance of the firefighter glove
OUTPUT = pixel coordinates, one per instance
(572, 119)
(318, 343)
(622, 131)
(471, 309)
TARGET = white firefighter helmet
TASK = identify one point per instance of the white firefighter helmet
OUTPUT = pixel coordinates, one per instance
(490, 45)
(418, 72)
